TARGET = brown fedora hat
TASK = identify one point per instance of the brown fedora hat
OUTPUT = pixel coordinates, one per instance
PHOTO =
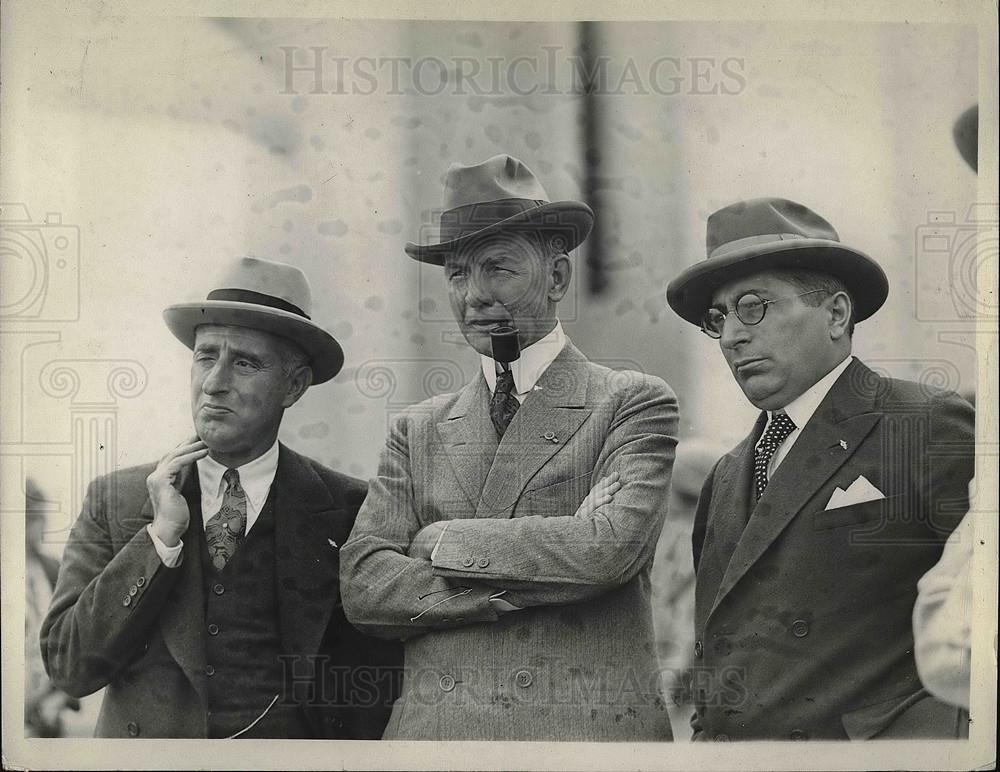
(498, 194)
(262, 295)
(774, 233)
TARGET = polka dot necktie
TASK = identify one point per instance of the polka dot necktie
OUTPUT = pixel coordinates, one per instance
(225, 528)
(776, 433)
(503, 404)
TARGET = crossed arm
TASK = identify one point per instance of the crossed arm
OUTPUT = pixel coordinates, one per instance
(391, 588)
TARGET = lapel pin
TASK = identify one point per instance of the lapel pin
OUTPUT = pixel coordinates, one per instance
(843, 444)
(332, 543)
(550, 436)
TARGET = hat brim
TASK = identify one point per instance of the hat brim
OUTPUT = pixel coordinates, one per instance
(690, 294)
(326, 357)
(573, 220)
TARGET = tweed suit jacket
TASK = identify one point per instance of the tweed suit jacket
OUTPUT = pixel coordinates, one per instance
(578, 661)
(802, 617)
(121, 619)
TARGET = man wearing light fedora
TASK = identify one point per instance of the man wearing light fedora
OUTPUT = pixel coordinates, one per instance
(508, 534)
(811, 534)
(202, 592)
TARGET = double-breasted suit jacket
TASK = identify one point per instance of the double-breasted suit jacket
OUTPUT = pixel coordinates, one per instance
(802, 608)
(578, 661)
(123, 620)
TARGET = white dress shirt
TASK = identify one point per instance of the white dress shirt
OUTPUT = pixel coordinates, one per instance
(528, 368)
(255, 479)
(800, 410)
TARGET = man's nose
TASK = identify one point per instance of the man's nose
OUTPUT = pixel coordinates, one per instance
(734, 332)
(217, 379)
(478, 291)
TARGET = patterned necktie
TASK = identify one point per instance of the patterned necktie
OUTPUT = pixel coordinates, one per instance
(225, 528)
(776, 433)
(503, 404)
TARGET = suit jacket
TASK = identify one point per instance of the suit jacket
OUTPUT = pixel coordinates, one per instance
(120, 619)
(803, 619)
(578, 661)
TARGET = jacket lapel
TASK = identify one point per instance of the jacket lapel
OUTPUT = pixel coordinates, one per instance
(182, 623)
(548, 418)
(731, 495)
(469, 439)
(307, 519)
(845, 417)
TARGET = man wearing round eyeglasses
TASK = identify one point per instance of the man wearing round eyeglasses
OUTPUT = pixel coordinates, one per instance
(811, 534)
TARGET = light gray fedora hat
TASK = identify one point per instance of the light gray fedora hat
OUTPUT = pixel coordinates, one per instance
(262, 295)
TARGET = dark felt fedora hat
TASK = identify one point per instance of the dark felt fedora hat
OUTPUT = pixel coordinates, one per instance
(262, 295)
(774, 233)
(498, 194)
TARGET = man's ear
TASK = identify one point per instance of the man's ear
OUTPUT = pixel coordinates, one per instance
(841, 309)
(559, 277)
(298, 383)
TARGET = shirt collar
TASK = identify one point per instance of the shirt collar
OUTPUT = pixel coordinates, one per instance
(255, 477)
(534, 360)
(801, 409)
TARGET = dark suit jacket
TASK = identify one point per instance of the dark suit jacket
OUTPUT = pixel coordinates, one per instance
(803, 619)
(121, 619)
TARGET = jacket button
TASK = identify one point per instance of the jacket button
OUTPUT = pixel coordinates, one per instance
(213, 629)
(523, 679)
(800, 628)
(722, 737)
(140, 582)
(210, 670)
(483, 562)
(133, 590)
(218, 589)
(798, 734)
(699, 650)
(467, 562)
(447, 683)
(127, 600)
(133, 729)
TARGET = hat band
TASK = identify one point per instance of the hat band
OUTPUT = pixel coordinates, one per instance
(472, 218)
(749, 241)
(257, 299)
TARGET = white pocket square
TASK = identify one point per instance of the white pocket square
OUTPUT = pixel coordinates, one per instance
(858, 492)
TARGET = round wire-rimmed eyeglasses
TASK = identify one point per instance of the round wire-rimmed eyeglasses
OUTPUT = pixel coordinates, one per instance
(750, 309)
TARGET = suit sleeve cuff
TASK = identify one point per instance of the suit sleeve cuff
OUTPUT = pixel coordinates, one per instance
(438, 542)
(171, 556)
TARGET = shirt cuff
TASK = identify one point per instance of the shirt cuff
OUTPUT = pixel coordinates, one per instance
(171, 556)
(438, 542)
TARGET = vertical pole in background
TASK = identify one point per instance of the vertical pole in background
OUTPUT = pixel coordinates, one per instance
(597, 276)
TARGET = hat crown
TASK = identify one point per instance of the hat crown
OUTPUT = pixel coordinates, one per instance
(764, 219)
(267, 277)
(495, 179)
